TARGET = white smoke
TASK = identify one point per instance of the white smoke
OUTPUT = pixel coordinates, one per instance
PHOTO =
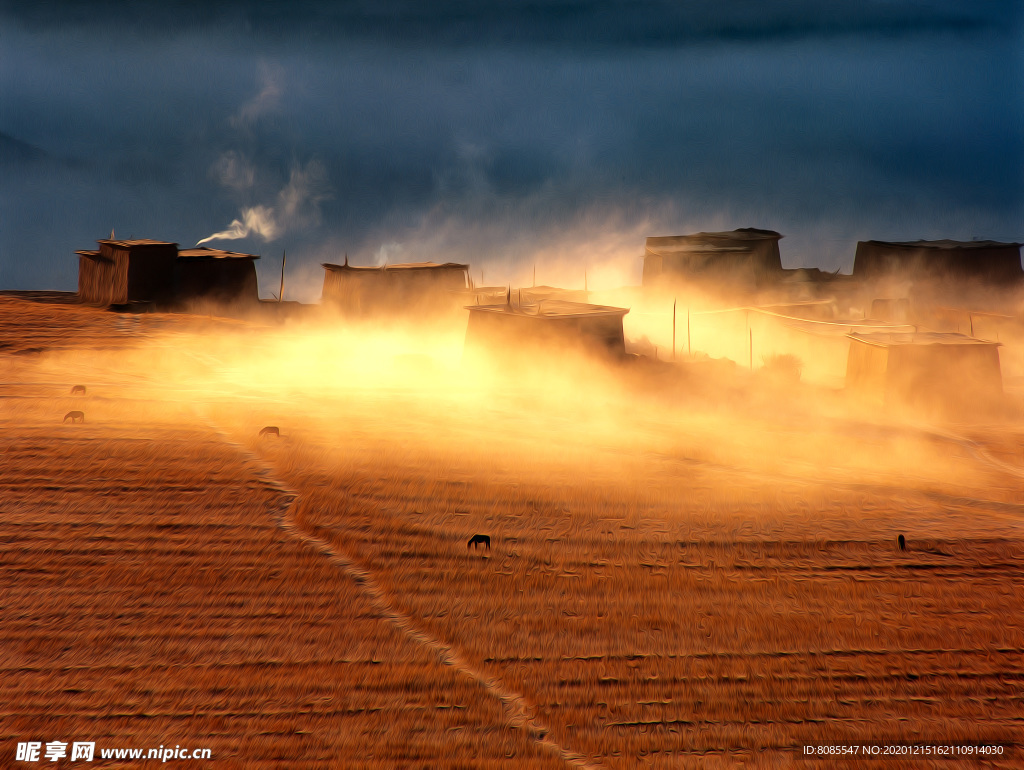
(297, 205)
(258, 220)
(266, 101)
(233, 170)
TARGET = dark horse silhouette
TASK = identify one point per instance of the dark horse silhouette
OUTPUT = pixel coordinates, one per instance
(479, 540)
(271, 430)
(78, 389)
(902, 542)
(74, 417)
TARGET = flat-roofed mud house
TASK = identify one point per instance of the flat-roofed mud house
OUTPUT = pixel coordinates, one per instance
(744, 258)
(933, 370)
(395, 289)
(499, 330)
(120, 272)
(144, 271)
(985, 261)
(215, 275)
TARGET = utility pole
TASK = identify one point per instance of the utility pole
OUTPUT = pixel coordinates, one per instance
(280, 296)
(673, 330)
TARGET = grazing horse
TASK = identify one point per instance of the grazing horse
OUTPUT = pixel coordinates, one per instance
(479, 540)
(902, 542)
(78, 389)
(271, 430)
(75, 416)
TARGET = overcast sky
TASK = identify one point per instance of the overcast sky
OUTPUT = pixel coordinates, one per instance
(503, 134)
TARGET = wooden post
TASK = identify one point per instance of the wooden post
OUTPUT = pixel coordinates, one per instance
(280, 297)
(535, 275)
(971, 316)
(673, 330)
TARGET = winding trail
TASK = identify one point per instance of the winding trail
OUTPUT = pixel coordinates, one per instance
(521, 713)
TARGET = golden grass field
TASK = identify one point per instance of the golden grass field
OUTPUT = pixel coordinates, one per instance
(680, 576)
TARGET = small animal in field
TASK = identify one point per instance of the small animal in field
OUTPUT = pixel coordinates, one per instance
(902, 542)
(476, 540)
(78, 389)
(75, 416)
(271, 430)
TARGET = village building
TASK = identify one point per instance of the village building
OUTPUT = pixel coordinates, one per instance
(404, 288)
(985, 261)
(932, 370)
(215, 275)
(744, 258)
(500, 330)
(142, 271)
(123, 271)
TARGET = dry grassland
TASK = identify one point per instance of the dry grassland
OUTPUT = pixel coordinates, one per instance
(679, 596)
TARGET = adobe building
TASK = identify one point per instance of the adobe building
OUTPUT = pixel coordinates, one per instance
(744, 258)
(120, 272)
(983, 261)
(422, 286)
(143, 271)
(215, 275)
(500, 330)
(942, 371)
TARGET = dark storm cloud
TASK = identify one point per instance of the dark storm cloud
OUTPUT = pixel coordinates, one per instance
(642, 23)
(493, 132)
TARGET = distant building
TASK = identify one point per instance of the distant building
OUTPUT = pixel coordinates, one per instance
(217, 275)
(534, 294)
(747, 257)
(988, 261)
(394, 288)
(943, 370)
(155, 272)
(507, 329)
(120, 272)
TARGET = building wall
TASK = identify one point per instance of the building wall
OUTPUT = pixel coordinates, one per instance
(150, 271)
(102, 281)
(499, 335)
(740, 261)
(398, 290)
(996, 263)
(944, 378)
(866, 369)
(222, 280)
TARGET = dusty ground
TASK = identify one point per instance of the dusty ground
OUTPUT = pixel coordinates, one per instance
(659, 599)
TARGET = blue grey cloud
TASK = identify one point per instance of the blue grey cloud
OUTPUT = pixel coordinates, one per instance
(492, 132)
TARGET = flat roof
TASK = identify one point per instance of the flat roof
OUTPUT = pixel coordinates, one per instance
(92, 254)
(135, 242)
(945, 244)
(401, 266)
(742, 234)
(917, 338)
(204, 253)
(551, 308)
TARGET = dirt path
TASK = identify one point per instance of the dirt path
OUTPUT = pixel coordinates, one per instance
(520, 713)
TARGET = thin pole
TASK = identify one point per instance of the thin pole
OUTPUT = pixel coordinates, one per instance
(280, 296)
(673, 330)
(689, 352)
(751, 332)
(971, 316)
(535, 275)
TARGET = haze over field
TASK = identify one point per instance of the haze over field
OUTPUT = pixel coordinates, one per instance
(502, 135)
